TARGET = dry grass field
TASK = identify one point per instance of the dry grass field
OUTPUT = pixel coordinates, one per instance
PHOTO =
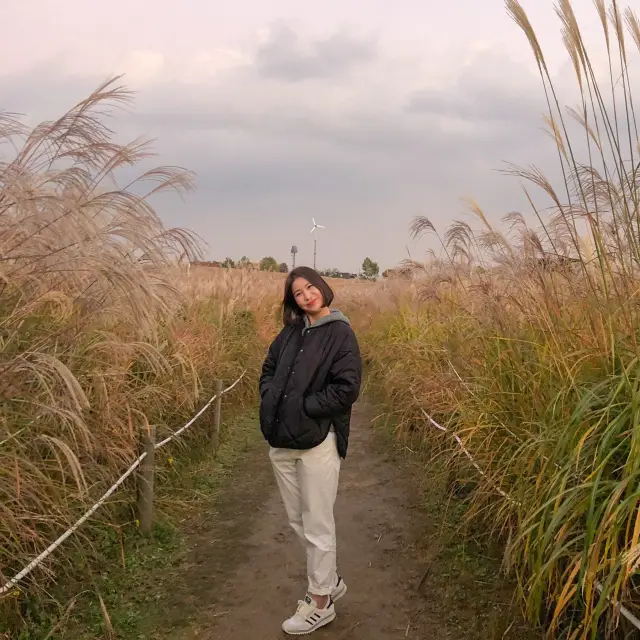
(97, 337)
(523, 343)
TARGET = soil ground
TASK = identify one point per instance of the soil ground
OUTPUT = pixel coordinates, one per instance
(251, 569)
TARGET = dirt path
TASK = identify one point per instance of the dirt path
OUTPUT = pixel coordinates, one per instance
(224, 565)
(246, 570)
(375, 534)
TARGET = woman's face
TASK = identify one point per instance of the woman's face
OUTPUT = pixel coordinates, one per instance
(308, 297)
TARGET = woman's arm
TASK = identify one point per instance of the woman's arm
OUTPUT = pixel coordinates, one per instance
(270, 363)
(268, 368)
(343, 390)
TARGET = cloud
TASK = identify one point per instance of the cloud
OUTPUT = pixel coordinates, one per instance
(285, 56)
(143, 65)
(491, 91)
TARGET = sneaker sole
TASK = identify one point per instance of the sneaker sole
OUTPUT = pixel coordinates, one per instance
(341, 592)
(320, 624)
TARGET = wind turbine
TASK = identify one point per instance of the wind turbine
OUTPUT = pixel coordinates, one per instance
(315, 226)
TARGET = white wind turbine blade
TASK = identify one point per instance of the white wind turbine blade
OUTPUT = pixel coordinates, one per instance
(314, 222)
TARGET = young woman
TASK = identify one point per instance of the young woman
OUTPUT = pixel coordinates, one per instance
(310, 380)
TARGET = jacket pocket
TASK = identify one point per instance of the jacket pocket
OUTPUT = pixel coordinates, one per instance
(267, 412)
(316, 429)
(265, 388)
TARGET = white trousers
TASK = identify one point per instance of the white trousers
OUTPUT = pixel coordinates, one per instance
(308, 483)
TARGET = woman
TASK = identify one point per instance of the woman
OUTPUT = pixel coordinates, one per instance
(310, 379)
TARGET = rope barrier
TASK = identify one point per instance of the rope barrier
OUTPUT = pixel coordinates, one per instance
(54, 545)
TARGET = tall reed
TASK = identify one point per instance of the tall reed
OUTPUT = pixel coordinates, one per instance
(525, 342)
(96, 338)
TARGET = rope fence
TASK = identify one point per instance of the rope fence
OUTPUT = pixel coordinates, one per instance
(11, 584)
(623, 610)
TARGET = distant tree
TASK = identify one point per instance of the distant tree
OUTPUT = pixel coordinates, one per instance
(331, 273)
(370, 269)
(269, 263)
(228, 264)
(283, 268)
(244, 263)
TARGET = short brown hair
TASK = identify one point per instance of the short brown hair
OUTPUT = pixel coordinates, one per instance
(291, 312)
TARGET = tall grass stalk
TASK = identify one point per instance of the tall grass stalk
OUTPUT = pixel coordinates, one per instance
(525, 342)
(97, 336)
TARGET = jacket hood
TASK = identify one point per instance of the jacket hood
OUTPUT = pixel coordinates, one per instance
(335, 316)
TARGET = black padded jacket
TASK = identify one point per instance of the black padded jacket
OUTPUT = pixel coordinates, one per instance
(310, 379)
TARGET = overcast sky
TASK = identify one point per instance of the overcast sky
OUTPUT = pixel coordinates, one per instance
(362, 114)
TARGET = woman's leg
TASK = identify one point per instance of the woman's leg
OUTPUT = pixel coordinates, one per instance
(283, 462)
(319, 471)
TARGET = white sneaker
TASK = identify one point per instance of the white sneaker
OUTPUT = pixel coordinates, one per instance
(309, 617)
(339, 590)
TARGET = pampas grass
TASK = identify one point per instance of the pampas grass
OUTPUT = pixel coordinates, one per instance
(96, 337)
(523, 339)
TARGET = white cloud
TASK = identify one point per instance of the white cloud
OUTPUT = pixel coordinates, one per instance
(206, 64)
(143, 66)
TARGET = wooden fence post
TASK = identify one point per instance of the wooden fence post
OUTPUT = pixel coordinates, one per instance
(145, 481)
(217, 410)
